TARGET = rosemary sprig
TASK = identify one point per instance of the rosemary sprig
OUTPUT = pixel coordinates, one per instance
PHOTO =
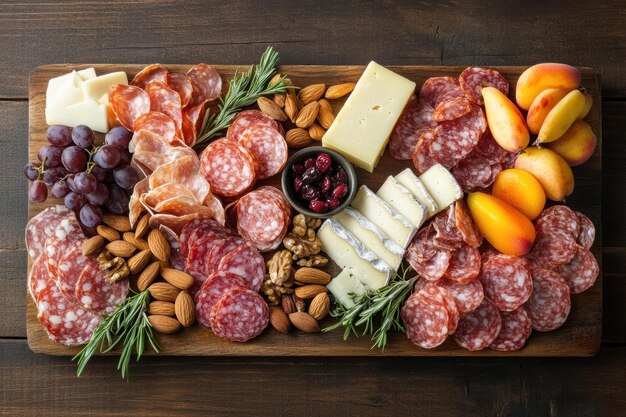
(243, 90)
(375, 312)
(129, 325)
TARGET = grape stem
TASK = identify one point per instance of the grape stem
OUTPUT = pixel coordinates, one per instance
(41, 169)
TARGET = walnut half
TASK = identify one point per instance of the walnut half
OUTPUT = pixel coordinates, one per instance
(301, 247)
(279, 267)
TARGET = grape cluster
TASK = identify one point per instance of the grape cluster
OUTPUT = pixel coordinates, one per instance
(85, 175)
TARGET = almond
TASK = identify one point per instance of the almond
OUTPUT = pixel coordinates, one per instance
(148, 275)
(307, 115)
(93, 245)
(279, 99)
(162, 291)
(325, 116)
(158, 245)
(162, 308)
(291, 107)
(291, 92)
(297, 138)
(164, 324)
(275, 79)
(339, 90)
(304, 322)
(118, 222)
(143, 225)
(120, 248)
(279, 319)
(309, 291)
(139, 261)
(316, 131)
(108, 232)
(312, 276)
(179, 279)
(320, 306)
(185, 309)
(311, 93)
(139, 243)
(270, 108)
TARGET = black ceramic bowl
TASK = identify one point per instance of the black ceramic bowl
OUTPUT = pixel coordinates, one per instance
(302, 205)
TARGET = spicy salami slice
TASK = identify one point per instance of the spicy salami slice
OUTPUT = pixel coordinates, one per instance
(182, 85)
(474, 173)
(212, 292)
(422, 157)
(240, 315)
(128, 102)
(451, 109)
(197, 265)
(468, 296)
(447, 235)
(247, 119)
(465, 224)
(587, 233)
(149, 73)
(41, 227)
(433, 268)
(270, 148)
(559, 217)
(425, 320)
(221, 249)
(39, 277)
(167, 101)
(474, 79)
(506, 281)
(434, 86)
(442, 296)
(58, 244)
(452, 142)
(553, 247)
(206, 83)
(550, 304)
(421, 247)
(193, 119)
(478, 329)
(229, 168)
(581, 271)
(96, 293)
(464, 264)
(450, 92)
(516, 329)
(475, 119)
(197, 229)
(263, 219)
(490, 149)
(157, 123)
(69, 269)
(247, 262)
(416, 119)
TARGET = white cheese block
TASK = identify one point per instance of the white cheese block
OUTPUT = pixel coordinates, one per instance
(402, 200)
(64, 90)
(362, 127)
(371, 237)
(442, 186)
(87, 74)
(411, 182)
(346, 288)
(104, 99)
(95, 88)
(89, 113)
(347, 252)
(394, 224)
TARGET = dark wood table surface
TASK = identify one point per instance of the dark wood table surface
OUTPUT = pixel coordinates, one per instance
(585, 33)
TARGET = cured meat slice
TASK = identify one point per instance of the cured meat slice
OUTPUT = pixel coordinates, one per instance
(197, 229)
(206, 83)
(182, 85)
(433, 268)
(474, 79)
(587, 233)
(39, 277)
(164, 221)
(197, 265)
(552, 247)
(151, 151)
(70, 267)
(185, 172)
(464, 264)
(465, 224)
(559, 217)
(452, 142)
(212, 292)
(128, 103)
(64, 321)
(444, 224)
(434, 86)
(182, 206)
(516, 329)
(263, 218)
(467, 296)
(247, 119)
(416, 119)
(157, 123)
(269, 146)
(94, 291)
(506, 281)
(240, 315)
(451, 92)
(247, 262)
(451, 109)
(421, 247)
(41, 227)
(474, 173)
(488, 254)
(193, 119)
(221, 249)
(489, 148)
(228, 167)
(167, 101)
(475, 119)
(550, 304)
(581, 271)
(149, 73)
(58, 244)
(425, 320)
(163, 192)
(443, 296)
(422, 158)
(478, 329)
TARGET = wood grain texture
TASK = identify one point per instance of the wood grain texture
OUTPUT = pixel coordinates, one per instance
(580, 336)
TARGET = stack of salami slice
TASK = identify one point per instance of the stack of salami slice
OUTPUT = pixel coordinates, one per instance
(71, 292)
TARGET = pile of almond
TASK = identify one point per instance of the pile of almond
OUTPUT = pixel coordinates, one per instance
(309, 110)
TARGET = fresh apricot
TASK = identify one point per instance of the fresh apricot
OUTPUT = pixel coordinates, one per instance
(552, 171)
(537, 78)
(561, 117)
(577, 144)
(521, 190)
(506, 123)
(541, 106)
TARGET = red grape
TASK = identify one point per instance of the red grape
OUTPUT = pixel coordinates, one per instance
(52, 155)
(83, 136)
(85, 183)
(90, 215)
(100, 196)
(118, 200)
(60, 189)
(73, 200)
(74, 159)
(99, 172)
(118, 137)
(38, 192)
(31, 172)
(126, 177)
(125, 157)
(52, 175)
(59, 135)
(107, 156)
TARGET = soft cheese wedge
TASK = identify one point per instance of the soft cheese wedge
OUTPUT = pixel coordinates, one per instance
(442, 186)
(89, 113)
(394, 224)
(96, 88)
(411, 182)
(371, 237)
(400, 198)
(363, 125)
(346, 288)
(346, 251)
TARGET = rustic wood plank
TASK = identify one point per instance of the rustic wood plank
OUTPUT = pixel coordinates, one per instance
(410, 33)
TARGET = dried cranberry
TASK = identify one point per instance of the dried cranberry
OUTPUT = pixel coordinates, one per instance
(340, 191)
(309, 163)
(297, 169)
(326, 184)
(333, 203)
(297, 184)
(310, 192)
(311, 175)
(318, 206)
(323, 162)
(341, 177)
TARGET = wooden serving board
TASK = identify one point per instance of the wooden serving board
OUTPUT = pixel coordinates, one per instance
(580, 336)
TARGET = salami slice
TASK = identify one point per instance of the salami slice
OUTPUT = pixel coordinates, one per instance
(587, 233)
(247, 262)
(149, 73)
(442, 296)
(447, 234)
(425, 320)
(550, 304)
(434, 86)
(64, 321)
(489, 148)
(559, 217)
(157, 123)
(467, 296)
(128, 102)
(240, 315)
(464, 264)
(193, 119)
(206, 83)
(39, 277)
(197, 265)
(212, 292)
(94, 291)
(478, 329)
(269, 146)
(229, 168)
(182, 85)
(488, 254)
(433, 268)
(167, 101)
(474, 79)
(69, 269)
(263, 219)
(422, 158)
(247, 119)
(421, 247)
(58, 244)
(451, 109)
(516, 329)
(41, 227)
(221, 249)
(452, 142)
(475, 119)
(474, 173)
(197, 229)
(416, 119)
(506, 281)
(465, 224)
(581, 271)
(552, 247)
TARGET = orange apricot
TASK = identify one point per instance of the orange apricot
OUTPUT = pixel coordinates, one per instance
(521, 190)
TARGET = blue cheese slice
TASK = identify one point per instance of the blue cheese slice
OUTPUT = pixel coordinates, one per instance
(442, 186)
(411, 182)
(371, 237)
(346, 288)
(347, 252)
(394, 224)
(400, 198)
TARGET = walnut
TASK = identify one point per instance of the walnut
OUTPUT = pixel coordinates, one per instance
(304, 227)
(279, 267)
(300, 247)
(274, 292)
(115, 266)
(312, 261)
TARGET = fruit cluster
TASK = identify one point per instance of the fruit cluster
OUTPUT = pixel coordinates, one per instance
(85, 175)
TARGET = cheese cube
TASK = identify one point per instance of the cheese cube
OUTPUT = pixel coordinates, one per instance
(89, 113)
(87, 74)
(64, 90)
(442, 186)
(411, 182)
(402, 200)
(394, 224)
(362, 127)
(346, 288)
(95, 88)
(346, 251)
(371, 237)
